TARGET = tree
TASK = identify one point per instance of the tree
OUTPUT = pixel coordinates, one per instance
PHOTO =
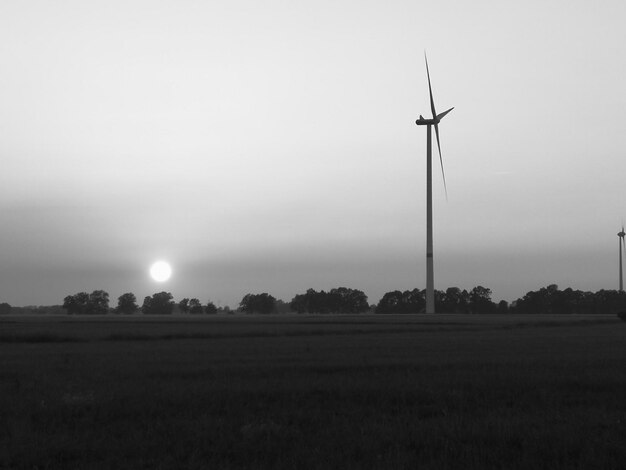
(390, 303)
(317, 302)
(160, 303)
(127, 304)
(195, 306)
(310, 302)
(345, 300)
(76, 304)
(147, 300)
(183, 305)
(440, 298)
(409, 301)
(5, 308)
(257, 303)
(98, 303)
(210, 308)
(552, 300)
(455, 300)
(337, 300)
(480, 300)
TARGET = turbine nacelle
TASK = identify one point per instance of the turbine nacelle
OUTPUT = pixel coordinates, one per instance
(421, 121)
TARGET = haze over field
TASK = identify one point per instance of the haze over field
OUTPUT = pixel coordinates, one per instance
(272, 147)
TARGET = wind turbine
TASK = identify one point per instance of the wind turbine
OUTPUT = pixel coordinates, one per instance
(429, 123)
(621, 243)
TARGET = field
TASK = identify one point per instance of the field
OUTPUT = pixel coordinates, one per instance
(299, 392)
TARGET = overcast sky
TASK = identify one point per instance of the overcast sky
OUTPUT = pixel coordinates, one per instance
(271, 146)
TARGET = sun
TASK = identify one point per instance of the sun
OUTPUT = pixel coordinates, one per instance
(160, 271)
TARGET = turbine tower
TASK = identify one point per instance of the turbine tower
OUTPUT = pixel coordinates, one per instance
(621, 243)
(429, 123)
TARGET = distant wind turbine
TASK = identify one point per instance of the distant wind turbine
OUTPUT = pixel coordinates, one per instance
(430, 281)
(621, 243)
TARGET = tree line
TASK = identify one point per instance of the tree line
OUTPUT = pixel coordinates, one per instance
(160, 303)
(339, 300)
(452, 300)
(343, 300)
(551, 299)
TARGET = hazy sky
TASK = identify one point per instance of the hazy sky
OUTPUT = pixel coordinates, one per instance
(271, 146)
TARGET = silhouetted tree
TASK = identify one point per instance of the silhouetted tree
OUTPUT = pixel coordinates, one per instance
(440, 298)
(455, 300)
(96, 303)
(257, 303)
(552, 300)
(530, 303)
(5, 308)
(545, 300)
(302, 303)
(160, 303)
(610, 301)
(337, 300)
(76, 304)
(390, 302)
(345, 300)
(480, 300)
(195, 306)
(210, 308)
(409, 301)
(413, 301)
(183, 305)
(566, 301)
(127, 304)
(309, 302)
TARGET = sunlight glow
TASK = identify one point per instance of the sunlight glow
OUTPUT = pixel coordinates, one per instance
(160, 271)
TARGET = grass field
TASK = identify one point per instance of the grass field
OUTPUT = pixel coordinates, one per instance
(446, 391)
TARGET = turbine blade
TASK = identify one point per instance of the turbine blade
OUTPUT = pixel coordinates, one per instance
(430, 90)
(445, 187)
(440, 116)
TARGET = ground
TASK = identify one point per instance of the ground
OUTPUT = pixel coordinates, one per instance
(413, 391)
